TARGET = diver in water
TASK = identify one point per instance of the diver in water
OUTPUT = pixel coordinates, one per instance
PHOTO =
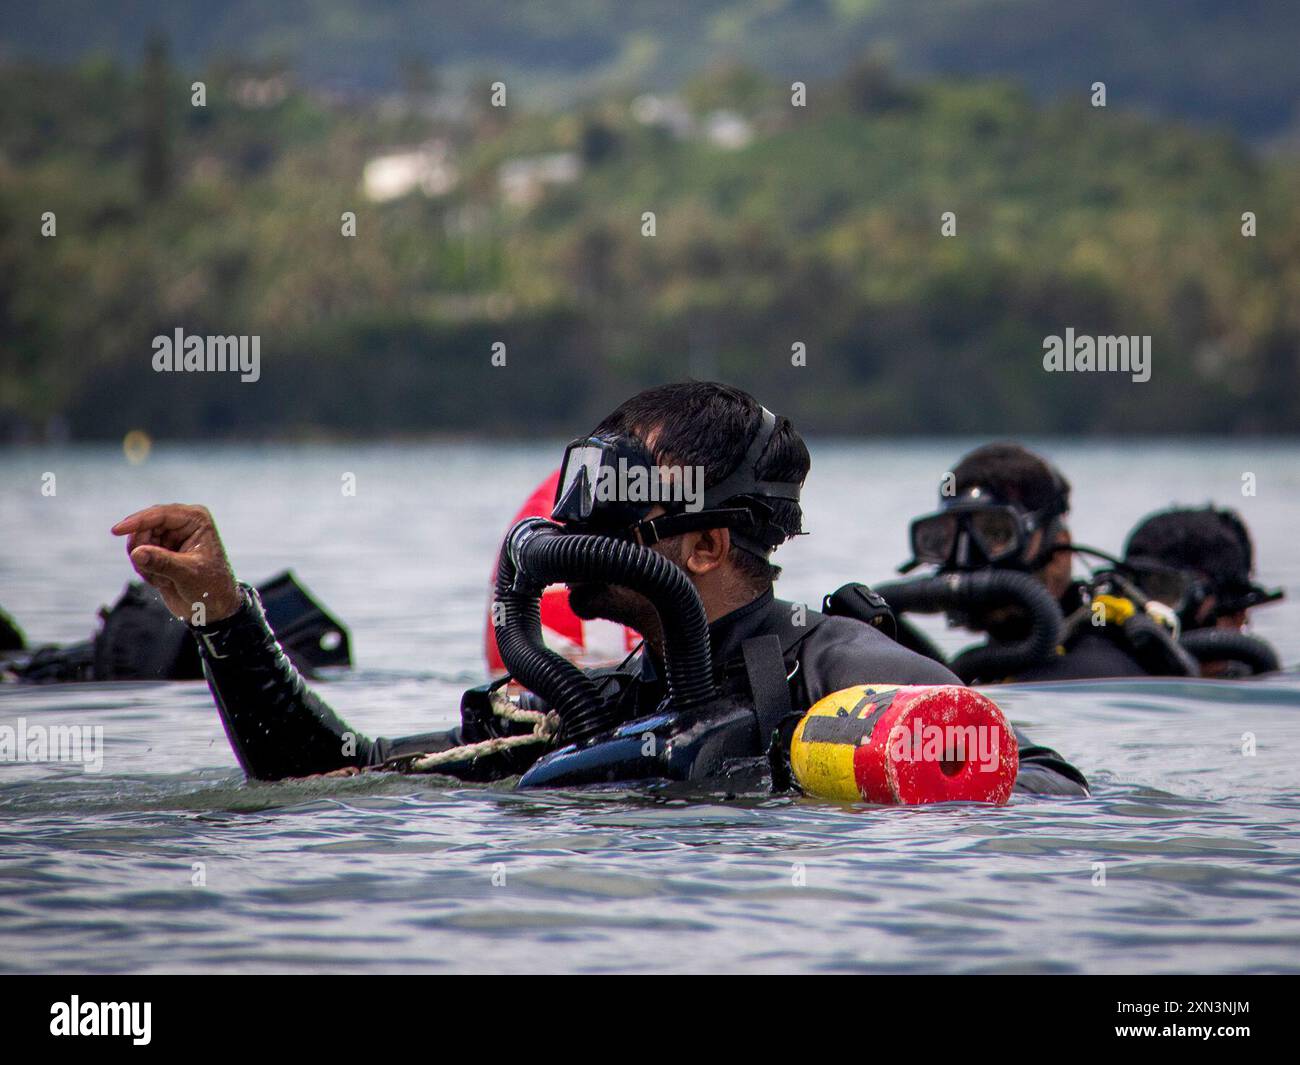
(11, 636)
(139, 639)
(1004, 512)
(1200, 563)
(781, 657)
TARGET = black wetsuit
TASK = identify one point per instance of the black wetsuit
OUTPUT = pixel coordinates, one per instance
(1089, 656)
(279, 728)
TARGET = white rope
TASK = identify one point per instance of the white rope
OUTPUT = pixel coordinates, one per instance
(545, 728)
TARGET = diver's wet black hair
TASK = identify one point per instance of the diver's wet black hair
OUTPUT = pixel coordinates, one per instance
(1014, 474)
(1209, 541)
(704, 423)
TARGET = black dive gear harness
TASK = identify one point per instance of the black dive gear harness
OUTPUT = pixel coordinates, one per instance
(609, 484)
(1160, 590)
(1027, 626)
(1111, 605)
(731, 738)
(1034, 637)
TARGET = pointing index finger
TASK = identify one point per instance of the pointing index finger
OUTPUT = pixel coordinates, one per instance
(163, 517)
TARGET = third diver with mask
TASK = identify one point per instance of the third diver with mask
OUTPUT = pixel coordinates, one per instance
(1200, 562)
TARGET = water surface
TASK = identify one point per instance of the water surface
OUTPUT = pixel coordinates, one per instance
(1198, 841)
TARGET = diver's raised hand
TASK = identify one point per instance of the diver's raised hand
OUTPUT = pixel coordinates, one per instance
(175, 548)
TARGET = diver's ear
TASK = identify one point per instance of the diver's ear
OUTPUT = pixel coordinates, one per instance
(705, 550)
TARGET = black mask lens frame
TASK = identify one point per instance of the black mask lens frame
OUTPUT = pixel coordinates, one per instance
(589, 461)
(577, 502)
(1176, 588)
(965, 519)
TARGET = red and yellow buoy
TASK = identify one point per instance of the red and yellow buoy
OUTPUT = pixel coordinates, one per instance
(884, 743)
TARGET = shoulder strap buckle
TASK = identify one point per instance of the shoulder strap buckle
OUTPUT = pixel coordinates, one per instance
(859, 602)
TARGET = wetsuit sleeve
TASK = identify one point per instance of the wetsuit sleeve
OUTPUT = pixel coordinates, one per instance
(278, 727)
(1044, 772)
(842, 652)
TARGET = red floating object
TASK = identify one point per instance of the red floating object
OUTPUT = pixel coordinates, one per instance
(888, 744)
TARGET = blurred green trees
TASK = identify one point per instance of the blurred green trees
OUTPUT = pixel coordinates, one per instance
(775, 225)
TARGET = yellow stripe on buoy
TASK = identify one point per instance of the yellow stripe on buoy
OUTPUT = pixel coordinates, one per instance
(825, 768)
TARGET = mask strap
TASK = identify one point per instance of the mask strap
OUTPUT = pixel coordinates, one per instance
(742, 480)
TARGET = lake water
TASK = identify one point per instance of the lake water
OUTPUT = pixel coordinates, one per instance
(1198, 842)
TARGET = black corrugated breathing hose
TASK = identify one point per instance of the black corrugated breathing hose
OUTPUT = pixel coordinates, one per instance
(537, 553)
(1228, 645)
(985, 590)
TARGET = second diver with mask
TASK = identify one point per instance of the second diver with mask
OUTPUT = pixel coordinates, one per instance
(1002, 549)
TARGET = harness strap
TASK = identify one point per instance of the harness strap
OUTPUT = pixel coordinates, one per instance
(765, 670)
